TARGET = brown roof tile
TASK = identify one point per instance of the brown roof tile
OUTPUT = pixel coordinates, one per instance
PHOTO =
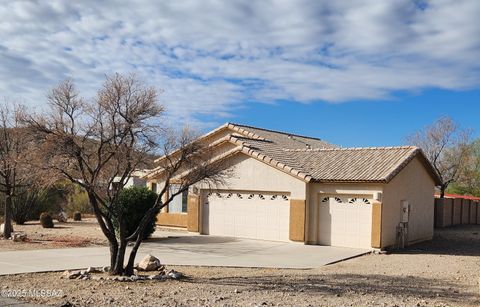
(324, 162)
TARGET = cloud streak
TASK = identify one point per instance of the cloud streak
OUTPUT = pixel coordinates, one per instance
(213, 57)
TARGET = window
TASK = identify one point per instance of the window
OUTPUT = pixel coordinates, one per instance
(179, 202)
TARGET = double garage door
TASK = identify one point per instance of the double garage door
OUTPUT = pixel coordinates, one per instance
(343, 220)
(250, 215)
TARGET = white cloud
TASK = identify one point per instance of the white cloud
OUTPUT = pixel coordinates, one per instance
(212, 57)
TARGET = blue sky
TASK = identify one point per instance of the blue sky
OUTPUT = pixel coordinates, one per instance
(356, 73)
(367, 123)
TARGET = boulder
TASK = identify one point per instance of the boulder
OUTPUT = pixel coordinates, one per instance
(149, 263)
(62, 217)
(18, 237)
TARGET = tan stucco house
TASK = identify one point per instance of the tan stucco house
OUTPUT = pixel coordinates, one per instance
(287, 187)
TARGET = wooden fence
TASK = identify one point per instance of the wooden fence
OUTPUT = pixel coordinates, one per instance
(456, 211)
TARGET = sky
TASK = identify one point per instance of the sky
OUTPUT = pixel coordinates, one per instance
(354, 73)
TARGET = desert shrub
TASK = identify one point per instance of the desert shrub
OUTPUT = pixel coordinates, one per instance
(46, 220)
(26, 205)
(77, 216)
(133, 203)
(77, 201)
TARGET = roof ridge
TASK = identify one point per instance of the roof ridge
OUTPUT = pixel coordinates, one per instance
(277, 131)
(349, 148)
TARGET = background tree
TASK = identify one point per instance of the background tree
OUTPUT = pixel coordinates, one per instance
(14, 151)
(95, 143)
(468, 182)
(447, 147)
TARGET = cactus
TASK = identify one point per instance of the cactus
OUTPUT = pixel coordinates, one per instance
(77, 216)
(46, 220)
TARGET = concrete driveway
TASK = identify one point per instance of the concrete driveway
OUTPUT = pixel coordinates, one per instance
(185, 249)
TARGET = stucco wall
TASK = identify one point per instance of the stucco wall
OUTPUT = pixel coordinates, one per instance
(415, 185)
(316, 189)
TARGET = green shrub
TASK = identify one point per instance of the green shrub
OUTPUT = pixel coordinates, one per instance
(134, 202)
(77, 216)
(46, 220)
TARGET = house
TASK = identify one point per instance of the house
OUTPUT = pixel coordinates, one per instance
(136, 179)
(287, 187)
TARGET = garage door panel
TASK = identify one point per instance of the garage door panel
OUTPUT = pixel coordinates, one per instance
(247, 215)
(345, 220)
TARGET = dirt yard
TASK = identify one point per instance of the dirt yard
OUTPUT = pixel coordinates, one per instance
(71, 234)
(443, 272)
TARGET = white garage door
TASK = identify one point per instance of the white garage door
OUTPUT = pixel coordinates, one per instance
(345, 221)
(247, 215)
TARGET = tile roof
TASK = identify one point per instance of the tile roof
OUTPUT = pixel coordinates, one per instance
(312, 159)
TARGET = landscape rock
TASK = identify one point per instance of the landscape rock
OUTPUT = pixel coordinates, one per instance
(71, 274)
(62, 217)
(91, 270)
(149, 263)
(157, 277)
(174, 274)
(18, 236)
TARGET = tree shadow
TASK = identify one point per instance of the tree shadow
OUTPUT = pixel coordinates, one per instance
(200, 240)
(463, 240)
(333, 284)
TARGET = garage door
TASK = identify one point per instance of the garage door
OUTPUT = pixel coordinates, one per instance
(345, 221)
(250, 215)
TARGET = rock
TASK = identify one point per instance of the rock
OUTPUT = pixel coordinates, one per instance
(91, 270)
(174, 274)
(156, 277)
(237, 291)
(62, 217)
(105, 269)
(72, 274)
(149, 263)
(18, 237)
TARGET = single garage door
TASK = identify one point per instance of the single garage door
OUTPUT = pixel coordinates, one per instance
(250, 215)
(345, 220)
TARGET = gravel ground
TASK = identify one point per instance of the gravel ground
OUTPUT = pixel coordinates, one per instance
(443, 272)
(71, 234)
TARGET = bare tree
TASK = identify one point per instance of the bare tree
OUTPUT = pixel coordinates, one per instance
(93, 143)
(14, 151)
(447, 147)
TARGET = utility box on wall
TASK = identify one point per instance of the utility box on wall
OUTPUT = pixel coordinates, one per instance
(405, 211)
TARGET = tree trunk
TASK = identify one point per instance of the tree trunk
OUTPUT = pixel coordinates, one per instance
(113, 254)
(442, 191)
(7, 231)
(119, 261)
(138, 241)
(133, 255)
(107, 231)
